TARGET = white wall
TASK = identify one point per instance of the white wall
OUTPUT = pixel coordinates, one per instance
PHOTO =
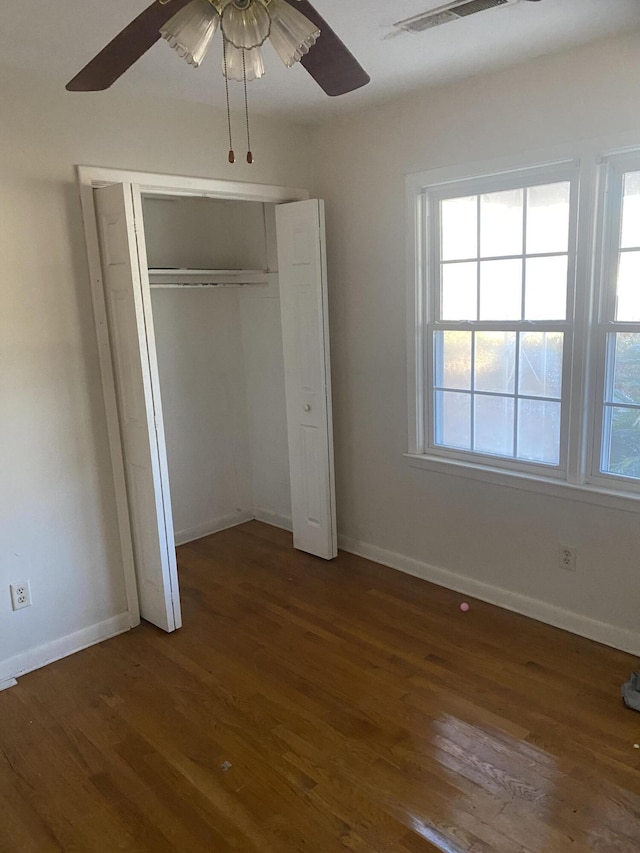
(57, 517)
(496, 542)
(202, 381)
(201, 233)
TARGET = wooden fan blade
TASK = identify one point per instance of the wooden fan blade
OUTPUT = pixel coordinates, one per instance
(330, 62)
(125, 49)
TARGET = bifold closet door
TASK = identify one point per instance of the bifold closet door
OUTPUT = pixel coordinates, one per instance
(305, 336)
(123, 255)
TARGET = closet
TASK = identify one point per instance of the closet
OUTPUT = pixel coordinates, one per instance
(219, 348)
(216, 319)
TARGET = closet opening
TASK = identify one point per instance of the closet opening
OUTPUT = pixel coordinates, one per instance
(216, 315)
(210, 302)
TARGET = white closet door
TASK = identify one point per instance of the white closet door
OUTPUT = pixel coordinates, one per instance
(305, 333)
(138, 392)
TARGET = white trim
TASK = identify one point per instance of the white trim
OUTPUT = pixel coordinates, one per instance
(62, 647)
(183, 185)
(223, 522)
(416, 212)
(7, 683)
(531, 162)
(599, 496)
(601, 632)
(608, 240)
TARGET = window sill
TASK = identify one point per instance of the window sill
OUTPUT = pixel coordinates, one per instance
(627, 502)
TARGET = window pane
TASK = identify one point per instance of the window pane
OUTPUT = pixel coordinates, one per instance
(501, 223)
(626, 378)
(460, 291)
(453, 419)
(494, 425)
(453, 359)
(501, 290)
(548, 218)
(546, 288)
(459, 218)
(541, 364)
(539, 431)
(628, 305)
(631, 211)
(495, 361)
(622, 441)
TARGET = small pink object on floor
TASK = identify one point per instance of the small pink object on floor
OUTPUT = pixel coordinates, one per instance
(464, 607)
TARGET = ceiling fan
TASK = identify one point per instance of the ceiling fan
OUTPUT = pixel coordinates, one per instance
(294, 28)
(189, 25)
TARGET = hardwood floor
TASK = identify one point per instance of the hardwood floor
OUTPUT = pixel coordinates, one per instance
(312, 706)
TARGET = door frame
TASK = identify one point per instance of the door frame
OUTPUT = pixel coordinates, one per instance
(88, 178)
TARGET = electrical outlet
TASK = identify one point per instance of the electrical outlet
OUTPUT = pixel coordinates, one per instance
(20, 595)
(567, 558)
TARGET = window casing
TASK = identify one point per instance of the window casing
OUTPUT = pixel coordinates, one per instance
(565, 407)
(616, 450)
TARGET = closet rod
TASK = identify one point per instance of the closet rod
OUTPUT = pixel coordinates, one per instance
(206, 285)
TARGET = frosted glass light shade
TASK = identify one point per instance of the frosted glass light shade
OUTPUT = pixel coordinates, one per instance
(292, 34)
(190, 31)
(253, 62)
(246, 23)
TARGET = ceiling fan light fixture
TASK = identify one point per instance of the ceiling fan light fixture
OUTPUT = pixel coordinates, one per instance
(292, 33)
(191, 30)
(234, 68)
(246, 23)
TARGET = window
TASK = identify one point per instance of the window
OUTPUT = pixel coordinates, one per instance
(619, 328)
(519, 362)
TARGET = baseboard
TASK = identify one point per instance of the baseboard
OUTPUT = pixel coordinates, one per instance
(273, 518)
(213, 526)
(584, 626)
(7, 683)
(49, 652)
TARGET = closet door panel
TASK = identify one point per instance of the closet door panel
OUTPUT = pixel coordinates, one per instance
(305, 336)
(139, 409)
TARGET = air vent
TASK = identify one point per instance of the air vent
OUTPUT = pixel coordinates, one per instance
(450, 12)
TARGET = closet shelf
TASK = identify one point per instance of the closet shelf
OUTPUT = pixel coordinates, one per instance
(209, 278)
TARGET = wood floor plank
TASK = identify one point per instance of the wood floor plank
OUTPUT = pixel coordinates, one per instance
(322, 706)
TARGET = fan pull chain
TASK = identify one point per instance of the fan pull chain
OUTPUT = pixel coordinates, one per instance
(232, 156)
(246, 108)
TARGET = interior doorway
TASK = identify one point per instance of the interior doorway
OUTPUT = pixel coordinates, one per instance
(155, 244)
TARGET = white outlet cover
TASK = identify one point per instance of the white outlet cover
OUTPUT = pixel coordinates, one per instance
(20, 595)
(567, 558)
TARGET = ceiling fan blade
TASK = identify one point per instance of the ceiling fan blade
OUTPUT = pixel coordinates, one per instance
(329, 61)
(125, 49)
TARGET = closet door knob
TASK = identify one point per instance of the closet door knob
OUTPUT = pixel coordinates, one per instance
(307, 407)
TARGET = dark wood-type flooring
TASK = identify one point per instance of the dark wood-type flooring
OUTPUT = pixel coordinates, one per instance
(312, 706)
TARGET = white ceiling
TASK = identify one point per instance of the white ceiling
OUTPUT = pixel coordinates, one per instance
(58, 38)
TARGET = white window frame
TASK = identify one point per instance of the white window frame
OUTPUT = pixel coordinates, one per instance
(582, 373)
(610, 198)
